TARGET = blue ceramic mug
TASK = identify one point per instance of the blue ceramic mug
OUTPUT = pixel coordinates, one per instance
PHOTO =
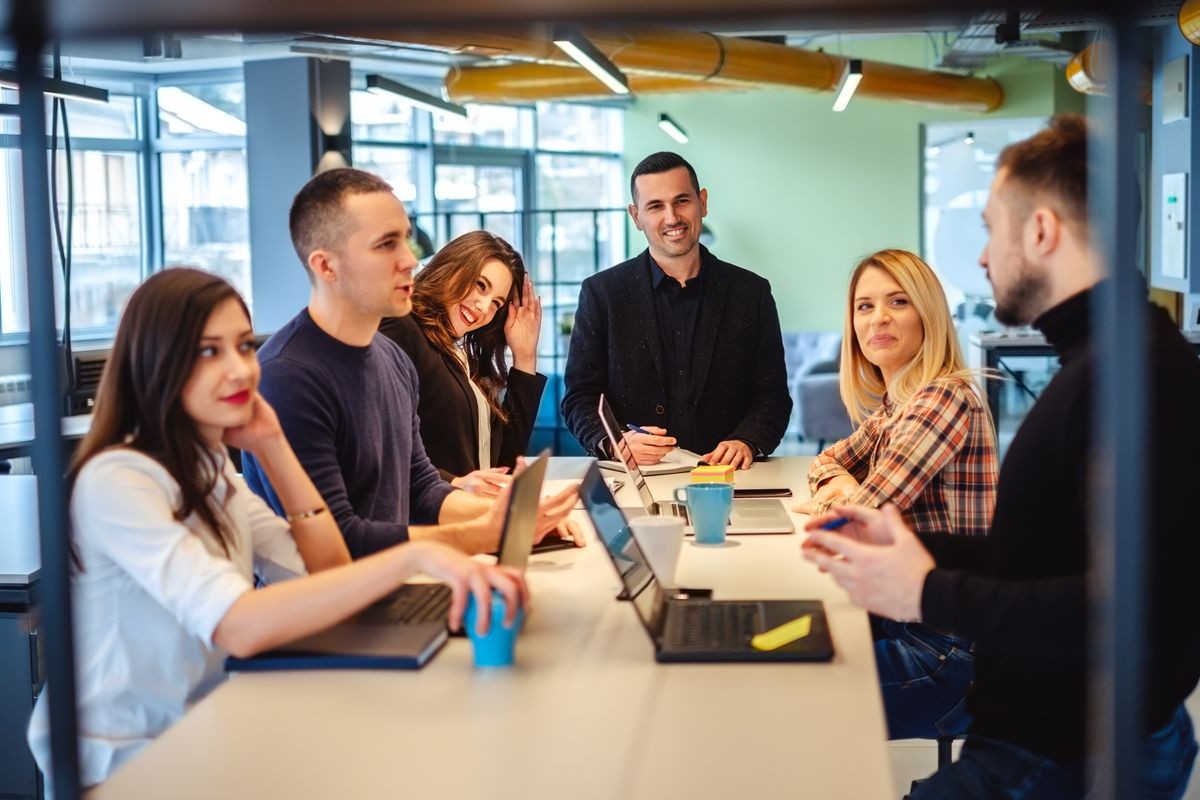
(708, 505)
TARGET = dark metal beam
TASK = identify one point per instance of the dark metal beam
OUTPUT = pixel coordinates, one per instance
(29, 33)
(111, 17)
(1118, 538)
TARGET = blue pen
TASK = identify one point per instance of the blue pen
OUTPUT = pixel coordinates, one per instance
(834, 524)
(636, 429)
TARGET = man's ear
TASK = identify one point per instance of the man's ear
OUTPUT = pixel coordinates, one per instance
(703, 203)
(633, 214)
(323, 265)
(1046, 230)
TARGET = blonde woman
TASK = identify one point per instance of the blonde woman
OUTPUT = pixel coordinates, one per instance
(924, 443)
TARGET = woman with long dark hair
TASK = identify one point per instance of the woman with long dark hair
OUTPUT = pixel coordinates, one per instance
(167, 539)
(472, 302)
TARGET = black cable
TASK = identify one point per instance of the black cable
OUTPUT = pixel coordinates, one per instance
(1016, 379)
(59, 106)
(69, 261)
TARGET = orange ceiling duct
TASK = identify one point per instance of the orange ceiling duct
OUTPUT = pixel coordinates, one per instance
(554, 82)
(723, 61)
(1090, 71)
(1189, 21)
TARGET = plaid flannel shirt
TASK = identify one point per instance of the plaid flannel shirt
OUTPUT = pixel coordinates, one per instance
(935, 459)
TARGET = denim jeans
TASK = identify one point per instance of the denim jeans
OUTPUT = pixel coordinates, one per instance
(924, 676)
(989, 768)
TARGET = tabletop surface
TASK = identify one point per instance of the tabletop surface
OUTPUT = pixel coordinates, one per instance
(585, 713)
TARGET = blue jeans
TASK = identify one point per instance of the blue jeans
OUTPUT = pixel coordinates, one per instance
(995, 769)
(924, 676)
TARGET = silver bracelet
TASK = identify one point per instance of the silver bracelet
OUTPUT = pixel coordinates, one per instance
(292, 518)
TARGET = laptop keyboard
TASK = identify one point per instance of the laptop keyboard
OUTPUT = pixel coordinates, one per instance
(716, 625)
(411, 603)
(678, 510)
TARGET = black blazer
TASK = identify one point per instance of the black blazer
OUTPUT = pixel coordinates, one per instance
(737, 358)
(449, 415)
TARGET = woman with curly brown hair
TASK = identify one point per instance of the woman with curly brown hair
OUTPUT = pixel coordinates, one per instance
(471, 302)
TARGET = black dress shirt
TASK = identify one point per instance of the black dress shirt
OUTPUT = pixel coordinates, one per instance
(677, 309)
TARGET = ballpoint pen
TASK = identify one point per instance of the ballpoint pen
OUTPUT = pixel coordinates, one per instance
(834, 524)
(636, 429)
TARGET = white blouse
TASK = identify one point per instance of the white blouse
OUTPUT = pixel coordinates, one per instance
(151, 593)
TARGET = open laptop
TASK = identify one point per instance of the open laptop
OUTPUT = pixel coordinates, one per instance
(687, 625)
(746, 516)
(406, 628)
(520, 521)
(430, 602)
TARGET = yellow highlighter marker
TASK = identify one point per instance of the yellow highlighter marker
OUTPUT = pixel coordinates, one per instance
(786, 633)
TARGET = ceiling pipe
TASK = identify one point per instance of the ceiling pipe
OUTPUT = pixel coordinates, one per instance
(1090, 71)
(1189, 21)
(552, 82)
(728, 61)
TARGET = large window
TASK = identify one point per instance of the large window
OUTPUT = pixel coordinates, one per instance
(202, 168)
(98, 192)
(190, 139)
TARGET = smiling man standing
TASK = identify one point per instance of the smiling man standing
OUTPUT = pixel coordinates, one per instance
(683, 345)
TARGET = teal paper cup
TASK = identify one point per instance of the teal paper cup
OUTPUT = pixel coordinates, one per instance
(708, 505)
(496, 648)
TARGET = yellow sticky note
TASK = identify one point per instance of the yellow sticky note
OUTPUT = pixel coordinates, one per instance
(722, 473)
(786, 633)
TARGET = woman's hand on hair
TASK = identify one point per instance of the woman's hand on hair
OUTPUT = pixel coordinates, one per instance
(483, 482)
(262, 429)
(523, 326)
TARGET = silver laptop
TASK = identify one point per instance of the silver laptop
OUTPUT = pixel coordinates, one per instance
(520, 521)
(747, 516)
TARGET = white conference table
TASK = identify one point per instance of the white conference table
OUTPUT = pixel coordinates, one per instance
(585, 713)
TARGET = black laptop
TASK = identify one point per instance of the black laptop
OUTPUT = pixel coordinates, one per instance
(686, 625)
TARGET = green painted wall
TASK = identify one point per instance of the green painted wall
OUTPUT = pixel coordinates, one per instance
(798, 193)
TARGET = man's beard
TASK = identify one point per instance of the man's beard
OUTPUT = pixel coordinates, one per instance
(1022, 302)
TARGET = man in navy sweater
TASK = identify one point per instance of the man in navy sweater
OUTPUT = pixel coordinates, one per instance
(347, 396)
(1020, 593)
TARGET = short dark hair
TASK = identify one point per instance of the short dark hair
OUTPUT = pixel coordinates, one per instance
(1054, 163)
(317, 218)
(663, 161)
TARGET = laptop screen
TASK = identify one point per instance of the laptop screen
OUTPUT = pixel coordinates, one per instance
(619, 446)
(520, 519)
(613, 530)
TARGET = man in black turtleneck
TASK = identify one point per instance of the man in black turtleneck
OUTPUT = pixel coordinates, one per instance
(1020, 593)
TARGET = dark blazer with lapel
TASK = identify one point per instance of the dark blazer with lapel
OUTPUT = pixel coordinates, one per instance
(737, 358)
(449, 414)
